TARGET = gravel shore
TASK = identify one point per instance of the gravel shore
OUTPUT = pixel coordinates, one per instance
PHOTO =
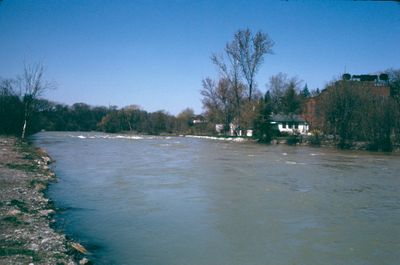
(26, 235)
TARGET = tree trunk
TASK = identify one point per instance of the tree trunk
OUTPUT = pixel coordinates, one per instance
(250, 89)
(26, 116)
(24, 129)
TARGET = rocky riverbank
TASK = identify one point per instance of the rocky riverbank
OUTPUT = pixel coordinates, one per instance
(26, 215)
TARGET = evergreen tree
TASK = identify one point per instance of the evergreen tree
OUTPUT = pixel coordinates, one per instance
(305, 93)
(262, 122)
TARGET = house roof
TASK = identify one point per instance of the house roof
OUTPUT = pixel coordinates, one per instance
(287, 118)
(198, 117)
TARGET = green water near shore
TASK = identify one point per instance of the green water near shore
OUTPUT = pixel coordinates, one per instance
(175, 200)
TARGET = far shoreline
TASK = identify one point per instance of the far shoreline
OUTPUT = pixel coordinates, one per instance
(290, 140)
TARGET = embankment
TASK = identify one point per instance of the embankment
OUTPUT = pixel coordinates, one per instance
(26, 235)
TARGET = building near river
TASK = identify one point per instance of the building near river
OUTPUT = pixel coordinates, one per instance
(290, 123)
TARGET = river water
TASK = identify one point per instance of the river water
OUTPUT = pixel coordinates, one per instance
(177, 200)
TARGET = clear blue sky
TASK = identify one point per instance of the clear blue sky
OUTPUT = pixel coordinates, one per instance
(155, 53)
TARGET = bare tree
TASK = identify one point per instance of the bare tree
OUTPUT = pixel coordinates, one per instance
(209, 94)
(230, 71)
(218, 100)
(225, 100)
(284, 92)
(249, 51)
(32, 86)
(355, 111)
(277, 86)
(7, 87)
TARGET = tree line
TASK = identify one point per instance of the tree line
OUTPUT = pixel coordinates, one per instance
(51, 116)
(23, 111)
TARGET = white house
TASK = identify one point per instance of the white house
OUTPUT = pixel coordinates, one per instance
(291, 123)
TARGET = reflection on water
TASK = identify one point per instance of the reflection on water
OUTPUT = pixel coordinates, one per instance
(175, 200)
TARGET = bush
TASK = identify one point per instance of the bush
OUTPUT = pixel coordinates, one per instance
(293, 139)
(315, 137)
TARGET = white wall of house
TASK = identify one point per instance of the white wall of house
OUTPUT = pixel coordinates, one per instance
(219, 128)
(301, 128)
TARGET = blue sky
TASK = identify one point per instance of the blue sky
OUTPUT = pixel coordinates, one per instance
(155, 53)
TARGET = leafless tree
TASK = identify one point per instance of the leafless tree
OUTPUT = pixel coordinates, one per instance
(32, 86)
(230, 71)
(218, 100)
(357, 111)
(248, 51)
(283, 91)
(7, 87)
(225, 100)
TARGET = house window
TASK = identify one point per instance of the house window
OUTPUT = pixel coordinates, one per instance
(296, 126)
(284, 125)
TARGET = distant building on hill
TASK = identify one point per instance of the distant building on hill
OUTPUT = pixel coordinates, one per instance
(373, 85)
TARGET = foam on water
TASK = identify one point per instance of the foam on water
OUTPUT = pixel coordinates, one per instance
(229, 139)
(109, 136)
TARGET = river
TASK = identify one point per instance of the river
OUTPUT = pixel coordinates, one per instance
(176, 200)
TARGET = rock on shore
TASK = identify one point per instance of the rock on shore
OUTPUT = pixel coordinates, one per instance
(25, 213)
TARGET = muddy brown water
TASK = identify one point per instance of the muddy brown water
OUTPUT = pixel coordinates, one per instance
(176, 200)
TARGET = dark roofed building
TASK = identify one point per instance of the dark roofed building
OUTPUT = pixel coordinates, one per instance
(290, 123)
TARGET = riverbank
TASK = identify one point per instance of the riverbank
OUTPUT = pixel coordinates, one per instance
(304, 140)
(26, 235)
(220, 138)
